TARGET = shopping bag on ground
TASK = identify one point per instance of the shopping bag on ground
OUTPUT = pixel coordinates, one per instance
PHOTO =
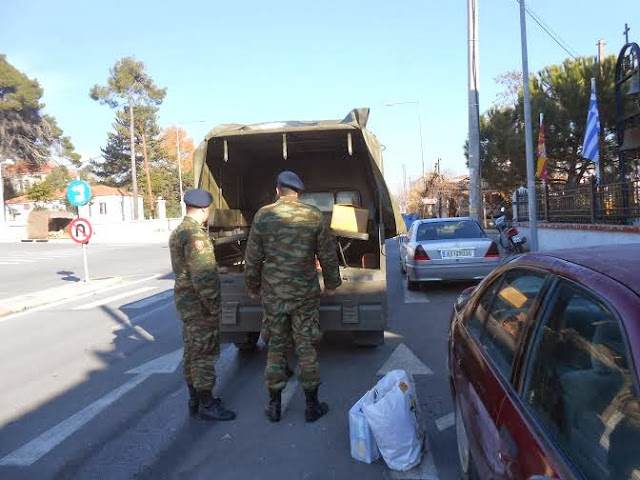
(363, 445)
(395, 421)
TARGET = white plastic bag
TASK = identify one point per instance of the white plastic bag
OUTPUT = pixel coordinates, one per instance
(363, 445)
(394, 419)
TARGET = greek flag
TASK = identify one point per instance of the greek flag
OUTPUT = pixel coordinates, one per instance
(592, 133)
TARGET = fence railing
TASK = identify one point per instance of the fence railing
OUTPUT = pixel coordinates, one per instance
(615, 203)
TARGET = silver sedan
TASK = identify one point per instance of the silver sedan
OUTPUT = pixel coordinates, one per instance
(439, 249)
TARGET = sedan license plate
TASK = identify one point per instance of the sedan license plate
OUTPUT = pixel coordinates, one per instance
(458, 253)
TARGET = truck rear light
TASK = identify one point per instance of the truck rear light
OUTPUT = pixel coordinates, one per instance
(493, 251)
(420, 255)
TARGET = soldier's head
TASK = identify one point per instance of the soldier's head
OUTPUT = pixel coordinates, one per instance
(288, 184)
(198, 204)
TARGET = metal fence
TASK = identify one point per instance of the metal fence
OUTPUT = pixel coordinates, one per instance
(615, 203)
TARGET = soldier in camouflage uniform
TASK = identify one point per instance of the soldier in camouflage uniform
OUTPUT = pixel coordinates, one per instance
(284, 241)
(197, 299)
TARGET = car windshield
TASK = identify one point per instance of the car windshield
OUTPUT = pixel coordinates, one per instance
(448, 230)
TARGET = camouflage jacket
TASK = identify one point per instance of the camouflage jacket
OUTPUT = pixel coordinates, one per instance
(194, 265)
(285, 238)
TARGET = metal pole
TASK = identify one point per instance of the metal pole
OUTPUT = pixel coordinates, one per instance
(134, 175)
(183, 207)
(4, 216)
(475, 186)
(421, 147)
(86, 262)
(528, 131)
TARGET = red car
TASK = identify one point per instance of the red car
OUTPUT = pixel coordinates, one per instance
(544, 358)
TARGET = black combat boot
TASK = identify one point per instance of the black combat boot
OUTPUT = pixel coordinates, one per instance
(274, 408)
(315, 409)
(194, 403)
(211, 408)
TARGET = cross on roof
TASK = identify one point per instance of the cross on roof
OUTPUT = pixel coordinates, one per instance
(626, 32)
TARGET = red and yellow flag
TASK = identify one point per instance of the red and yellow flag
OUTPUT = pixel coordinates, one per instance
(542, 171)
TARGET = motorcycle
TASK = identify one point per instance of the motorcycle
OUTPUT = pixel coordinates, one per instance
(508, 237)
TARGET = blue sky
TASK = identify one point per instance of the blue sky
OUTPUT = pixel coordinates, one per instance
(255, 61)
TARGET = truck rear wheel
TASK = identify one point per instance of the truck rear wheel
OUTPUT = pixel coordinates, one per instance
(369, 338)
(250, 342)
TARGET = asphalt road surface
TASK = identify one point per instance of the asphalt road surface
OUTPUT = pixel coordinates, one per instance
(92, 388)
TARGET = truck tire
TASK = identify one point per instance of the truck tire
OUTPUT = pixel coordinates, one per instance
(369, 338)
(249, 345)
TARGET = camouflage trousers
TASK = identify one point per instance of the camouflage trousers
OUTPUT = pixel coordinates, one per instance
(298, 320)
(201, 336)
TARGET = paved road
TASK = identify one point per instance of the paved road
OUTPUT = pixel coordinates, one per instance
(78, 398)
(26, 267)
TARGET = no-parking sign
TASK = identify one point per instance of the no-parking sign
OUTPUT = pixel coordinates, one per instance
(80, 230)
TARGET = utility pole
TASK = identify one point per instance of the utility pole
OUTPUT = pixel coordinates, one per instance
(601, 45)
(528, 131)
(405, 194)
(134, 174)
(475, 186)
(183, 206)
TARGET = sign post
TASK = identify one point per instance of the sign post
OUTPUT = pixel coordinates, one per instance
(80, 231)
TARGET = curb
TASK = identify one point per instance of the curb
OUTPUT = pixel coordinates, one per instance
(51, 295)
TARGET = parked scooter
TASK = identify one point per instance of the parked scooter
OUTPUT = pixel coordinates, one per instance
(508, 237)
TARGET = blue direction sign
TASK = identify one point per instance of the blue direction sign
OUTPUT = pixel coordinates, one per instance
(78, 193)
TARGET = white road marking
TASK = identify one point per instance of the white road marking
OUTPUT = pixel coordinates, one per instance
(403, 358)
(79, 297)
(151, 312)
(288, 393)
(120, 296)
(32, 451)
(414, 297)
(445, 422)
(143, 333)
(425, 471)
(151, 300)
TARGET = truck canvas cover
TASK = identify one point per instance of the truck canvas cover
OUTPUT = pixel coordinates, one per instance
(217, 150)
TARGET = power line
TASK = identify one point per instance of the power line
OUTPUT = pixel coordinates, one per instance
(555, 37)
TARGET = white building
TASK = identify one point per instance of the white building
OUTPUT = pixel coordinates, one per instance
(107, 205)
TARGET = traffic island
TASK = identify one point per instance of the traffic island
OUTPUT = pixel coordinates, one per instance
(51, 295)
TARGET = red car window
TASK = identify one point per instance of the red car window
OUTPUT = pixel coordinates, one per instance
(580, 387)
(499, 324)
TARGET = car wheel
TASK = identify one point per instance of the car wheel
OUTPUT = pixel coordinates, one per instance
(464, 451)
(413, 286)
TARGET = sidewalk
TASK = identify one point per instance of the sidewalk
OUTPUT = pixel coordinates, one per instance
(51, 295)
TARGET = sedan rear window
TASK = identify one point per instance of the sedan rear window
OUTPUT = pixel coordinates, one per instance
(448, 230)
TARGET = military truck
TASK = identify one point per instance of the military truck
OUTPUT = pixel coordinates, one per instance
(340, 162)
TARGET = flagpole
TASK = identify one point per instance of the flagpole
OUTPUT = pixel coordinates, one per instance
(593, 89)
(544, 180)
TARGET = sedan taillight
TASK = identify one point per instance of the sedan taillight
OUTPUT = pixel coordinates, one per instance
(493, 251)
(420, 255)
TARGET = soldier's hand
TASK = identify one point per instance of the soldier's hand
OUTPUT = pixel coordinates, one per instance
(329, 292)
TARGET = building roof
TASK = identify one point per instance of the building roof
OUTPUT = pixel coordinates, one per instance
(96, 191)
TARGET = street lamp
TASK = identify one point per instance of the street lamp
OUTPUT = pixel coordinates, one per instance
(413, 102)
(4, 215)
(183, 207)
